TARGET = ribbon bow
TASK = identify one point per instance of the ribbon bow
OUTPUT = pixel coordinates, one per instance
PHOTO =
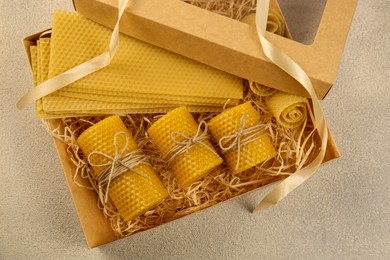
(240, 138)
(183, 143)
(116, 165)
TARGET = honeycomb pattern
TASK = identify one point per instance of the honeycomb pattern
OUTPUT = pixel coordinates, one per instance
(289, 110)
(40, 56)
(227, 123)
(34, 63)
(137, 69)
(54, 103)
(44, 59)
(131, 97)
(197, 161)
(131, 194)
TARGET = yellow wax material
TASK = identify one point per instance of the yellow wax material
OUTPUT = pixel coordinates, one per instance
(275, 22)
(289, 110)
(195, 162)
(137, 67)
(131, 193)
(34, 63)
(261, 90)
(228, 123)
(44, 59)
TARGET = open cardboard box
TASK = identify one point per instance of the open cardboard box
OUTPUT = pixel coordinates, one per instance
(139, 19)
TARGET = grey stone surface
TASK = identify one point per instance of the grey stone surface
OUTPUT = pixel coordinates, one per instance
(340, 213)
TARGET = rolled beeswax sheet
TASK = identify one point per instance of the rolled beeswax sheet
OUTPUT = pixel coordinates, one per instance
(275, 22)
(197, 160)
(261, 90)
(131, 193)
(228, 123)
(137, 66)
(289, 110)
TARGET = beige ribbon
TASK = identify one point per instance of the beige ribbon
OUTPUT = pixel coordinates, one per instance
(116, 165)
(293, 69)
(187, 142)
(240, 138)
(77, 72)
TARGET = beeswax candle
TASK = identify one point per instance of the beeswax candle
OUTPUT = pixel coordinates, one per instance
(178, 130)
(239, 125)
(275, 22)
(136, 190)
(289, 110)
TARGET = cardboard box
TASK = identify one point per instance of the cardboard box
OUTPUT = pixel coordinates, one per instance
(96, 228)
(230, 45)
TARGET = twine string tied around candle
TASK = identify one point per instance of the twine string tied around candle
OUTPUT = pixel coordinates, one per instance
(241, 137)
(184, 143)
(118, 164)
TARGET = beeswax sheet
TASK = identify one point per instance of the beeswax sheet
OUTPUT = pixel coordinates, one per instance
(137, 66)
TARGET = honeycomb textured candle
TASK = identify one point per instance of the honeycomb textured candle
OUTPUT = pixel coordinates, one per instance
(131, 193)
(228, 123)
(289, 110)
(196, 161)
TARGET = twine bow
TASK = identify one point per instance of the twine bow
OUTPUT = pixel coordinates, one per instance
(183, 143)
(240, 138)
(116, 165)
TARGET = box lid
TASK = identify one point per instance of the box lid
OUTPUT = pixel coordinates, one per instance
(230, 45)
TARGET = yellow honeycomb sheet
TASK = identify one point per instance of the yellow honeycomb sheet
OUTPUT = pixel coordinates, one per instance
(38, 68)
(131, 193)
(137, 67)
(34, 63)
(129, 97)
(289, 110)
(54, 103)
(52, 106)
(44, 59)
(198, 160)
(228, 123)
(192, 109)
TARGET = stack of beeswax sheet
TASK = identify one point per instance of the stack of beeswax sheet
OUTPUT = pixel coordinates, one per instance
(141, 78)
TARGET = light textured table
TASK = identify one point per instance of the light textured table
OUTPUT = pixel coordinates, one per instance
(341, 212)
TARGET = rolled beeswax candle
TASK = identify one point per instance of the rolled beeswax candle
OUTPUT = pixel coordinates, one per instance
(289, 110)
(235, 125)
(275, 22)
(178, 130)
(133, 192)
(261, 90)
